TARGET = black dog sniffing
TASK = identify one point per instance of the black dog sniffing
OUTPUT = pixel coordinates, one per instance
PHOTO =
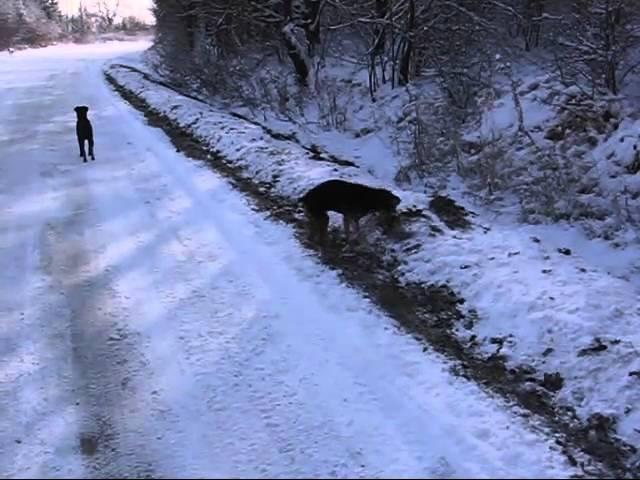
(352, 200)
(84, 131)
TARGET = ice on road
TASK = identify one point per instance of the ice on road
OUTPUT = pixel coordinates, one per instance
(153, 324)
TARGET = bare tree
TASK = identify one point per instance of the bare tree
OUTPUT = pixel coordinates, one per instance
(108, 11)
(400, 39)
(598, 40)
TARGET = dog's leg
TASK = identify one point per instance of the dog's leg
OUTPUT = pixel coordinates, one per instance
(91, 148)
(83, 154)
(320, 225)
(318, 222)
(311, 227)
(90, 139)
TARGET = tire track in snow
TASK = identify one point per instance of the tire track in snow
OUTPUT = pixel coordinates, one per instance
(103, 351)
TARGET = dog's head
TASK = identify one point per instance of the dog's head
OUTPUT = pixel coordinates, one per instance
(81, 111)
(388, 201)
(388, 204)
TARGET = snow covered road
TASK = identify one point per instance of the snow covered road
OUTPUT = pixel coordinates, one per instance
(152, 324)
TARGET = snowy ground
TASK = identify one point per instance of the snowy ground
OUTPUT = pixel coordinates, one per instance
(152, 324)
(575, 315)
(548, 308)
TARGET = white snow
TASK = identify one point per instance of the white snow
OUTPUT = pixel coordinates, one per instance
(144, 303)
(538, 299)
(535, 297)
(594, 144)
(371, 152)
(502, 119)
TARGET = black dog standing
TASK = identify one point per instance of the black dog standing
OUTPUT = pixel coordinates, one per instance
(84, 131)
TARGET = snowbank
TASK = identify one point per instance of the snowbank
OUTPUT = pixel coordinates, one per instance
(555, 309)
(583, 167)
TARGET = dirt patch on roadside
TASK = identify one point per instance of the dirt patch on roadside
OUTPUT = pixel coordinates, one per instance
(453, 215)
(429, 312)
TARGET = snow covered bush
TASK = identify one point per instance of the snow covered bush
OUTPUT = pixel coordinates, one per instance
(28, 22)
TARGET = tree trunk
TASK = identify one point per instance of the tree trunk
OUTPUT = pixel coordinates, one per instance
(406, 51)
(382, 7)
(612, 77)
(295, 54)
(537, 26)
(312, 25)
(190, 23)
(286, 9)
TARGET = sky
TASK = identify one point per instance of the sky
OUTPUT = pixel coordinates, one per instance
(138, 8)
